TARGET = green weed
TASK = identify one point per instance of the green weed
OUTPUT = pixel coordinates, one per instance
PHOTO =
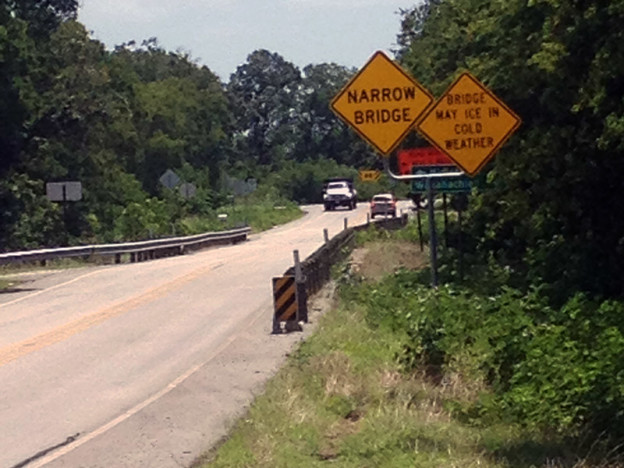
(472, 374)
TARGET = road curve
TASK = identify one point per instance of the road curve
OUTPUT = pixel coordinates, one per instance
(145, 364)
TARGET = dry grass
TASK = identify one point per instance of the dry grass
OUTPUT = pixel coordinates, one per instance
(381, 258)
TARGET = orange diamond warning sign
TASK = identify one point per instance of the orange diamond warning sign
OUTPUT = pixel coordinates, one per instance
(469, 123)
(370, 176)
(382, 103)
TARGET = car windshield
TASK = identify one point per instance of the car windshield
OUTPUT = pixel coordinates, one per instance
(336, 185)
(382, 198)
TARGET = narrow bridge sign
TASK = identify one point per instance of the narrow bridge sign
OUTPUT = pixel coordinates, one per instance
(382, 103)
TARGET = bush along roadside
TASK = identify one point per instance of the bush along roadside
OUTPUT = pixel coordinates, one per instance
(557, 371)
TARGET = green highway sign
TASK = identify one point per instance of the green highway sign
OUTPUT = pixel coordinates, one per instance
(455, 184)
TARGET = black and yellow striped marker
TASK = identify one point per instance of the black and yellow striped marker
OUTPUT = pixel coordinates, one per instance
(285, 300)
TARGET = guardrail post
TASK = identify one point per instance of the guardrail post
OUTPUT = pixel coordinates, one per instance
(302, 296)
(326, 235)
(346, 223)
(367, 218)
(326, 266)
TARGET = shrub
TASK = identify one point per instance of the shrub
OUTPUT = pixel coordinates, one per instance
(550, 369)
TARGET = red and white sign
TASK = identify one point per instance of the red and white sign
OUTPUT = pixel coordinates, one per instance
(429, 156)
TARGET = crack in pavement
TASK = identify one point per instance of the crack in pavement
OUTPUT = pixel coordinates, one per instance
(44, 452)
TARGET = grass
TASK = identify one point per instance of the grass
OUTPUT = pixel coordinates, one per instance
(9, 273)
(342, 400)
(259, 215)
(5, 284)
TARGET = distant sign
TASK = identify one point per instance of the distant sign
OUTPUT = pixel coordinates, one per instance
(370, 176)
(241, 187)
(64, 191)
(469, 123)
(429, 156)
(455, 184)
(169, 179)
(187, 190)
(382, 103)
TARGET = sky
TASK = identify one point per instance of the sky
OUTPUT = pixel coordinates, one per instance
(222, 33)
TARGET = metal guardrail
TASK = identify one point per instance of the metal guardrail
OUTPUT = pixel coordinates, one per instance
(316, 269)
(291, 291)
(138, 251)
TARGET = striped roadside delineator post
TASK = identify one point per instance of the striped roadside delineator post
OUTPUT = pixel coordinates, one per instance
(290, 297)
(285, 300)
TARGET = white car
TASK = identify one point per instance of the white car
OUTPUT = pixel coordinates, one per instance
(339, 193)
(383, 204)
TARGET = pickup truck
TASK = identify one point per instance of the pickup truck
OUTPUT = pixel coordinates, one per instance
(339, 192)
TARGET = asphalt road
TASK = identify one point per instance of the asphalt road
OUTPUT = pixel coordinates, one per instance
(145, 364)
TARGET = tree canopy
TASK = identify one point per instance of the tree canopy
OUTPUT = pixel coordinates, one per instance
(546, 210)
(116, 120)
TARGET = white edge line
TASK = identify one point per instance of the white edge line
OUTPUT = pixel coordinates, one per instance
(51, 288)
(134, 410)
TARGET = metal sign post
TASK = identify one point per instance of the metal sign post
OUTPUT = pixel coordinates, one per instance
(444, 208)
(420, 234)
(429, 179)
(433, 244)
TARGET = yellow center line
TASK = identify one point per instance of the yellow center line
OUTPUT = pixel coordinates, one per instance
(65, 331)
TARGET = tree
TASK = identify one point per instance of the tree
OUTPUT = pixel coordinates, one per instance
(17, 52)
(42, 16)
(181, 115)
(546, 209)
(320, 134)
(263, 92)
